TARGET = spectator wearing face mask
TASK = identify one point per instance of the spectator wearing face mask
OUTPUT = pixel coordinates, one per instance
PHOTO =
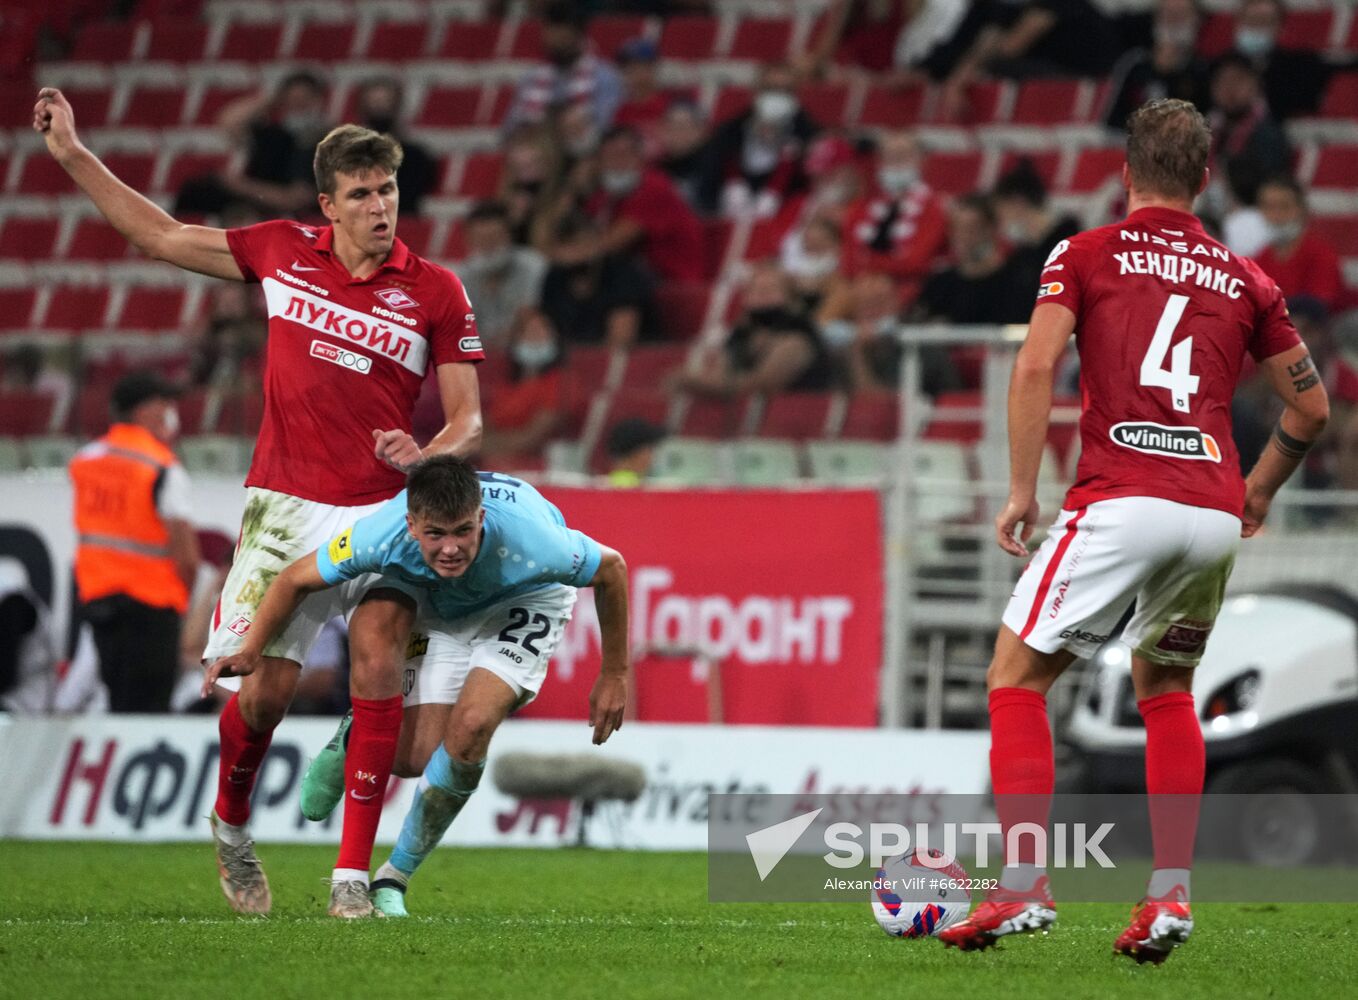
(501, 279)
(1297, 257)
(604, 300)
(682, 145)
(979, 286)
(772, 348)
(279, 132)
(1029, 227)
(868, 344)
(754, 161)
(531, 184)
(379, 105)
(636, 210)
(645, 102)
(1292, 79)
(522, 415)
(1168, 67)
(900, 228)
(570, 74)
(811, 260)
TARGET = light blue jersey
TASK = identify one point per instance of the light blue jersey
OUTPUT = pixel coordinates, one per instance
(526, 547)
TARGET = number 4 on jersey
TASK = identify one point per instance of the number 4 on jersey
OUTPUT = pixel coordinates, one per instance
(1178, 379)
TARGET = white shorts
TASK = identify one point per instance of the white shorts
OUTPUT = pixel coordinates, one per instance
(1173, 560)
(513, 639)
(276, 530)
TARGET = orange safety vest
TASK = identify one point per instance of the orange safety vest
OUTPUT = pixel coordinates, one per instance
(122, 545)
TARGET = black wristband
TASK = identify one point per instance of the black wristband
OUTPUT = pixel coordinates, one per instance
(1290, 446)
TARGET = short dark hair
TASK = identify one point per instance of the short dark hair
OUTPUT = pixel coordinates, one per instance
(979, 203)
(1024, 182)
(444, 487)
(489, 211)
(565, 14)
(1168, 143)
(629, 132)
(306, 77)
(1288, 183)
(353, 149)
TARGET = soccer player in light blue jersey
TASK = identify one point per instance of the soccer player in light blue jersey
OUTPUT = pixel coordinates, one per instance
(493, 569)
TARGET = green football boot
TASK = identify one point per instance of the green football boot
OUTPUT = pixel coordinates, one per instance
(323, 783)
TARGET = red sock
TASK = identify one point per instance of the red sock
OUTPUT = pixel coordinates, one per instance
(1176, 762)
(238, 764)
(1022, 767)
(367, 764)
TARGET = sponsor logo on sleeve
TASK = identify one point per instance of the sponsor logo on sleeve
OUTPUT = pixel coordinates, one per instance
(469, 344)
(341, 546)
(395, 298)
(337, 355)
(1050, 288)
(1169, 442)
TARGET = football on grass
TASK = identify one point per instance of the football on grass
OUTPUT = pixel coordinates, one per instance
(917, 894)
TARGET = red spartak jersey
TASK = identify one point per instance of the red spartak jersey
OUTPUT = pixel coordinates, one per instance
(346, 356)
(1163, 317)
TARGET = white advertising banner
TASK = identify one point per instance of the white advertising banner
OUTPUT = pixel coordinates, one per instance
(145, 778)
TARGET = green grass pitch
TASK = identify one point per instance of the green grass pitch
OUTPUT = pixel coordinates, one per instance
(148, 921)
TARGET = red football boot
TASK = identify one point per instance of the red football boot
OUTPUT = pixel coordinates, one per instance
(1002, 912)
(1158, 927)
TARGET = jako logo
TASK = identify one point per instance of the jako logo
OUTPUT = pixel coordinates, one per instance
(1172, 442)
(1072, 846)
(360, 363)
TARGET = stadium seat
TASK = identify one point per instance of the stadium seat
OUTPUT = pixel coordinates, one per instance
(192, 407)
(936, 468)
(187, 165)
(471, 41)
(16, 307)
(985, 103)
(96, 240)
(152, 308)
(646, 403)
(1095, 167)
(1217, 34)
(216, 98)
(527, 42)
(587, 367)
(689, 39)
(795, 415)
(871, 418)
(1047, 164)
(104, 42)
(454, 245)
(1047, 102)
(325, 41)
(42, 175)
(762, 40)
(154, 107)
(765, 463)
(893, 107)
(688, 462)
(731, 102)
(26, 239)
(712, 418)
(76, 307)
(1341, 231)
(133, 169)
(481, 175)
(648, 364)
(1307, 29)
(683, 307)
(608, 32)
(956, 417)
(501, 99)
(450, 107)
(826, 103)
(177, 40)
(766, 237)
(1336, 167)
(252, 42)
(90, 415)
(25, 414)
(416, 232)
(397, 41)
(953, 173)
(91, 105)
(849, 461)
(1341, 97)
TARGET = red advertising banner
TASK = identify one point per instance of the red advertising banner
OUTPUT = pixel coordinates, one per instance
(765, 607)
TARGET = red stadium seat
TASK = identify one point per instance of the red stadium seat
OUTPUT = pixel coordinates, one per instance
(730, 102)
(27, 239)
(450, 107)
(104, 42)
(91, 416)
(396, 41)
(1046, 164)
(527, 43)
(16, 306)
(325, 41)
(683, 307)
(150, 308)
(984, 103)
(481, 175)
(24, 414)
(454, 244)
(177, 40)
(216, 98)
(501, 99)
(965, 426)
(416, 233)
(187, 165)
(1341, 97)
(76, 307)
(871, 418)
(762, 40)
(712, 418)
(1046, 102)
(1336, 167)
(765, 238)
(248, 42)
(1217, 34)
(952, 173)
(1307, 29)
(893, 107)
(690, 39)
(1095, 167)
(471, 41)
(648, 364)
(587, 366)
(133, 169)
(154, 107)
(609, 32)
(1341, 231)
(826, 103)
(645, 404)
(795, 415)
(192, 406)
(41, 174)
(95, 240)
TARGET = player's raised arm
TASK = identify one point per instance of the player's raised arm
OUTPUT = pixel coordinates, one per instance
(284, 594)
(141, 221)
(608, 698)
(1030, 403)
(1306, 410)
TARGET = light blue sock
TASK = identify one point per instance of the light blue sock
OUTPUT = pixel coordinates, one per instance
(444, 789)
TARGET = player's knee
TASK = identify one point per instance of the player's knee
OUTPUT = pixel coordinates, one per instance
(373, 674)
(470, 735)
(266, 695)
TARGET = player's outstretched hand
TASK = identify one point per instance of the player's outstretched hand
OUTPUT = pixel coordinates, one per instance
(1007, 533)
(54, 119)
(397, 448)
(1256, 509)
(235, 665)
(607, 700)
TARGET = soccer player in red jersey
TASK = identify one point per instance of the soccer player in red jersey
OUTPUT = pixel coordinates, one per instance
(1163, 316)
(355, 322)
